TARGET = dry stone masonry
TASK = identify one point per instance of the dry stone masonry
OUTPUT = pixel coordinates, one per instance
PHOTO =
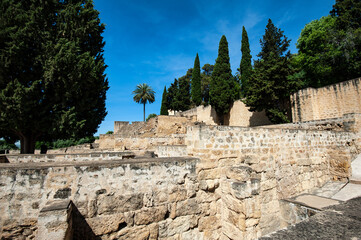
(208, 182)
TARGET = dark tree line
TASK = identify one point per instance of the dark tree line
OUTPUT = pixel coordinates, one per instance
(52, 81)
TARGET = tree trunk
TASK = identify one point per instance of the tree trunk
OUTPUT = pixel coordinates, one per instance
(143, 112)
(27, 144)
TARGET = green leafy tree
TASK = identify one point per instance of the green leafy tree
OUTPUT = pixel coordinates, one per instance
(52, 81)
(196, 83)
(152, 115)
(144, 94)
(245, 68)
(164, 108)
(347, 13)
(270, 87)
(328, 55)
(221, 90)
(206, 81)
(329, 49)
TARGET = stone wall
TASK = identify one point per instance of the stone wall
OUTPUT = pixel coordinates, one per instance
(138, 199)
(256, 167)
(101, 156)
(327, 102)
(171, 151)
(146, 143)
(239, 115)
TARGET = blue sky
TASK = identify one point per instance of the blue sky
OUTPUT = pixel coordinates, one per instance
(156, 41)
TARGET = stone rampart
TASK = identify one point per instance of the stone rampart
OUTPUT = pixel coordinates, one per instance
(125, 199)
(327, 102)
(256, 167)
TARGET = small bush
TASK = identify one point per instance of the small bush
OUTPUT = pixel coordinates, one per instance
(152, 115)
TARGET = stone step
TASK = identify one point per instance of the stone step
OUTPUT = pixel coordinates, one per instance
(313, 201)
(350, 191)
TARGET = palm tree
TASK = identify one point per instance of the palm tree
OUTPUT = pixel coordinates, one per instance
(143, 94)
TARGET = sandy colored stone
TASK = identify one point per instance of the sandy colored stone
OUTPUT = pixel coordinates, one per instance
(150, 215)
(106, 223)
(208, 223)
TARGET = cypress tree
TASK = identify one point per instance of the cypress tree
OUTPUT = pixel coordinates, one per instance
(173, 96)
(246, 62)
(222, 82)
(163, 108)
(206, 80)
(52, 81)
(196, 83)
(184, 95)
(270, 87)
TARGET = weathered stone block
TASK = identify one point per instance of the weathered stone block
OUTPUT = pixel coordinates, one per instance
(150, 215)
(106, 223)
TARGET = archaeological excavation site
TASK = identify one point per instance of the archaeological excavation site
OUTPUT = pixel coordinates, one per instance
(186, 177)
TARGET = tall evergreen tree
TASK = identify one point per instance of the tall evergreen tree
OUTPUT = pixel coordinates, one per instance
(206, 81)
(52, 81)
(164, 108)
(184, 96)
(196, 83)
(173, 96)
(222, 82)
(270, 88)
(245, 68)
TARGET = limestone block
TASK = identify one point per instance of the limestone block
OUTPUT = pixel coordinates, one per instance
(138, 233)
(192, 235)
(231, 231)
(209, 174)
(208, 223)
(177, 194)
(232, 203)
(187, 207)
(236, 219)
(108, 204)
(150, 215)
(168, 228)
(106, 223)
(239, 173)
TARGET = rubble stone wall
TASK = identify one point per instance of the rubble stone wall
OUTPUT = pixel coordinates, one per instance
(146, 143)
(49, 158)
(327, 102)
(256, 167)
(148, 199)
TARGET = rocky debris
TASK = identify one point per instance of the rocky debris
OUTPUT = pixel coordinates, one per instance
(342, 221)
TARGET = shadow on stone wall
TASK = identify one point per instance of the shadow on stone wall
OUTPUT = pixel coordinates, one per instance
(80, 227)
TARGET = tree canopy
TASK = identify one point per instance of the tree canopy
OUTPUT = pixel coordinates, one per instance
(196, 90)
(222, 90)
(329, 49)
(245, 68)
(270, 87)
(164, 108)
(143, 94)
(52, 81)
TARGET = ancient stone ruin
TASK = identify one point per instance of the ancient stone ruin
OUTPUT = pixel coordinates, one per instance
(179, 177)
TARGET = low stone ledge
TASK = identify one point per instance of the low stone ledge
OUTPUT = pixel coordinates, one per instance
(56, 205)
(108, 163)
